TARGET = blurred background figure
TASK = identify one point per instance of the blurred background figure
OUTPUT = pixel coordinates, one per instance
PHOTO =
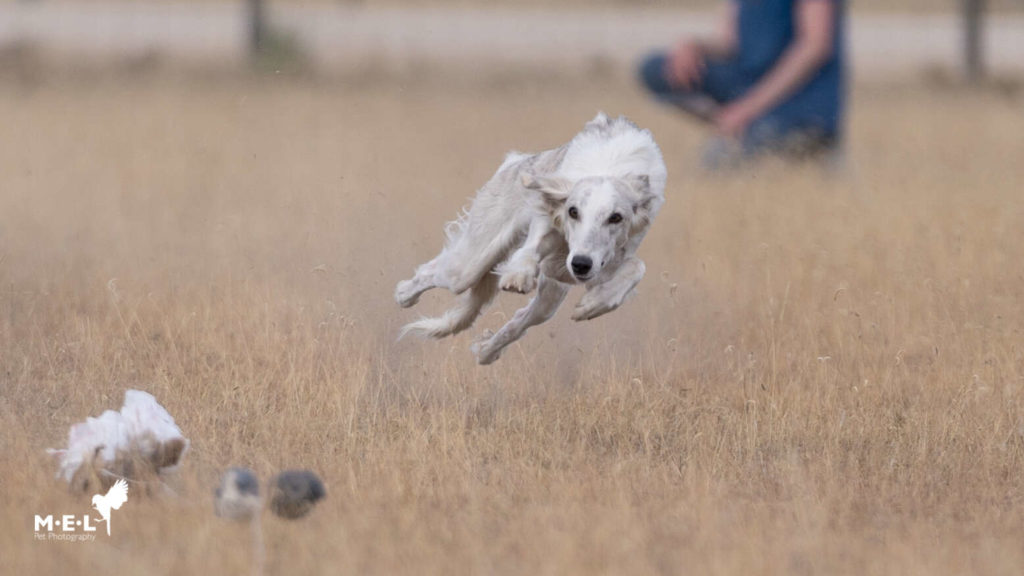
(238, 496)
(294, 493)
(771, 79)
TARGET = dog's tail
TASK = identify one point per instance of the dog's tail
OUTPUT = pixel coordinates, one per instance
(459, 317)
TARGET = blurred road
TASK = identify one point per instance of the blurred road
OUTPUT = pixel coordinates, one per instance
(340, 38)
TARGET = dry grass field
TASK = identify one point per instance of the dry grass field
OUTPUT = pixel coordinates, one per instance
(818, 375)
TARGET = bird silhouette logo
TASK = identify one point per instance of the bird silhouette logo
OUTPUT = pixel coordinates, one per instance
(112, 500)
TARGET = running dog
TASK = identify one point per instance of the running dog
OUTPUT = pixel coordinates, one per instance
(572, 215)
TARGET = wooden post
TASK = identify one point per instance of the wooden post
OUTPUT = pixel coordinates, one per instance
(257, 26)
(974, 64)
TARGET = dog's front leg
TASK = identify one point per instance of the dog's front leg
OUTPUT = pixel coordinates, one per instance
(519, 273)
(542, 307)
(608, 295)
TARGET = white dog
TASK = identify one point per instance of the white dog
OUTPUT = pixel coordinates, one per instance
(575, 214)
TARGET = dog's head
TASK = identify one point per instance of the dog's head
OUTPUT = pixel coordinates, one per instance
(597, 215)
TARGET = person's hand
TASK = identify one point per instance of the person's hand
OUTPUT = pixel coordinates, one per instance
(733, 119)
(685, 65)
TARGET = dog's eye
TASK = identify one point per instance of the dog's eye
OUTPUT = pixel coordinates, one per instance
(574, 213)
(615, 218)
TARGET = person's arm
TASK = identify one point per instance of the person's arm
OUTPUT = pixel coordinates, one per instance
(685, 64)
(812, 47)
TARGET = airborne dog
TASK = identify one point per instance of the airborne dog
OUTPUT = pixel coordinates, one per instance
(572, 215)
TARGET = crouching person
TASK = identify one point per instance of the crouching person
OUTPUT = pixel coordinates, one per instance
(771, 80)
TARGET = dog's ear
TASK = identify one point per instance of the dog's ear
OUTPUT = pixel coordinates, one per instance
(641, 185)
(553, 190)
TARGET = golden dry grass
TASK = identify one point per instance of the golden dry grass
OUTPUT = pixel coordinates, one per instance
(818, 376)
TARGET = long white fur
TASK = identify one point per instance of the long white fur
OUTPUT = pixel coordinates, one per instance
(510, 230)
(620, 150)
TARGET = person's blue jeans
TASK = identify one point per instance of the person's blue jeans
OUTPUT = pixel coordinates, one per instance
(724, 82)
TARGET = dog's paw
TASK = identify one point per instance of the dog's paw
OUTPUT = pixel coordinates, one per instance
(406, 294)
(591, 307)
(482, 349)
(522, 280)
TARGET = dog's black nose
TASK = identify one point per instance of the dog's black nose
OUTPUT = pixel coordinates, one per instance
(581, 265)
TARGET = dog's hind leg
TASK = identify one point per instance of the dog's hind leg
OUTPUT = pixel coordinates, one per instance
(428, 275)
(408, 292)
(610, 294)
(542, 307)
(447, 271)
(482, 262)
(459, 317)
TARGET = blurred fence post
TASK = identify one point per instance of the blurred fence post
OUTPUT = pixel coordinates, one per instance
(973, 13)
(257, 26)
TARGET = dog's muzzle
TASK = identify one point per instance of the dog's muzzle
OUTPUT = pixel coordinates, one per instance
(581, 266)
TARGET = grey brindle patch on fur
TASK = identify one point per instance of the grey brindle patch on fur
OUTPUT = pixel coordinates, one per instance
(574, 214)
